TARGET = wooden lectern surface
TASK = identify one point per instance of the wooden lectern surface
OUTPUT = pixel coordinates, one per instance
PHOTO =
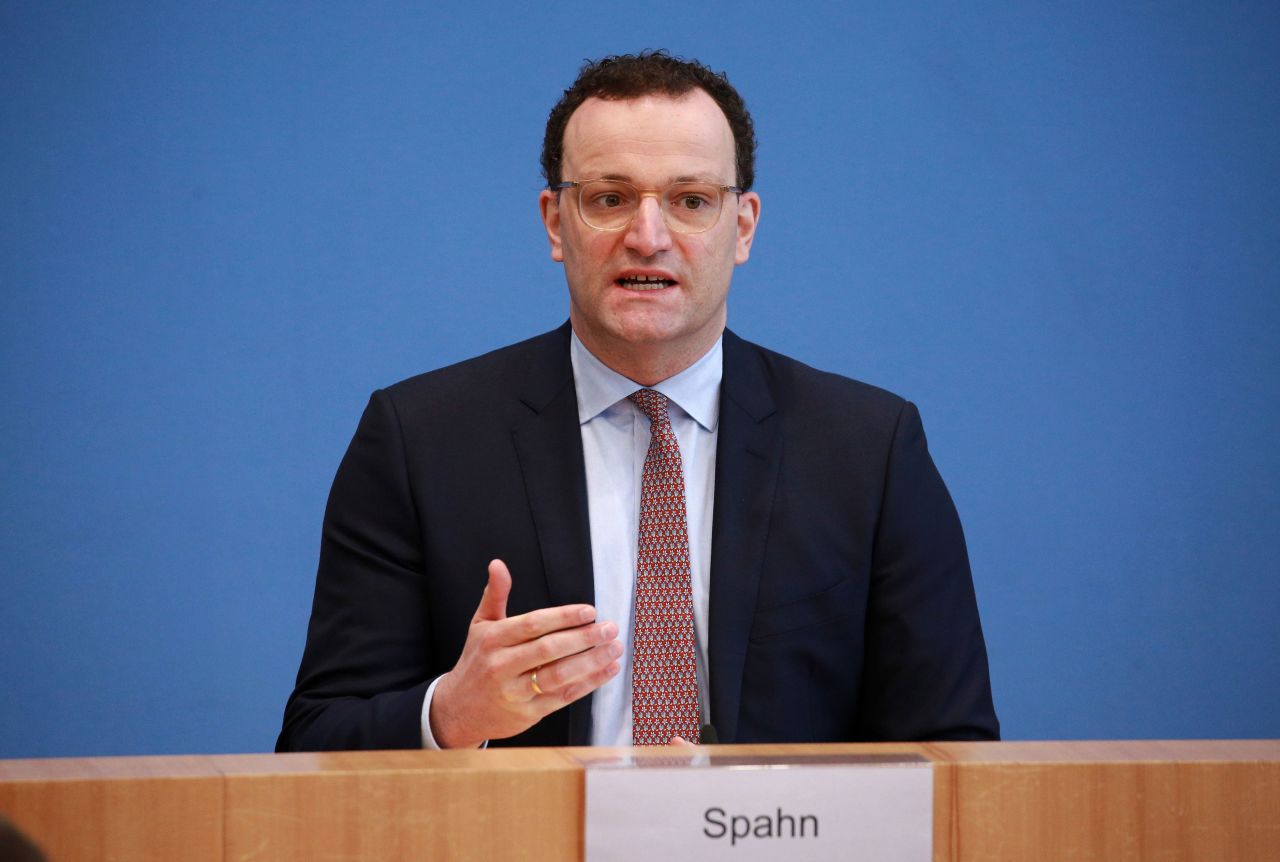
(117, 807)
(992, 801)
(1166, 800)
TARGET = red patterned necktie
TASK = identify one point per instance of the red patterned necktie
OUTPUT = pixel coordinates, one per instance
(664, 681)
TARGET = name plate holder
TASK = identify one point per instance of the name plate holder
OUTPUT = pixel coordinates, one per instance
(667, 804)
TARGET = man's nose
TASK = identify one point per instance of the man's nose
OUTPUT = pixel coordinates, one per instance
(648, 233)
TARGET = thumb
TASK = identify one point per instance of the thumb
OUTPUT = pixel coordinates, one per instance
(493, 603)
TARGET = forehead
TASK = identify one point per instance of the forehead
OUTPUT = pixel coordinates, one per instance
(657, 138)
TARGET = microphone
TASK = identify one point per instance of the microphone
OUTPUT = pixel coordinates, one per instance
(707, 735)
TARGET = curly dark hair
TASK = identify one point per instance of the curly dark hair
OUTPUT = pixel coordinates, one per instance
(630, 76)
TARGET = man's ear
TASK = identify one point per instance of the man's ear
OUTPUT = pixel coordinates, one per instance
(748, 218)
(549, 203)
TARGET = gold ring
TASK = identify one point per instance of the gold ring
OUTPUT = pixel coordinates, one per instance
(533, 683)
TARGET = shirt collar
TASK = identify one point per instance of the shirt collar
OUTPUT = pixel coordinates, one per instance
(696, 390)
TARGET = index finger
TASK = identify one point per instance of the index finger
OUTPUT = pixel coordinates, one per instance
(517, 630)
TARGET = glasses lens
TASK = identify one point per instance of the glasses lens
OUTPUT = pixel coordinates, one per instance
(691, 207)
(607, 205)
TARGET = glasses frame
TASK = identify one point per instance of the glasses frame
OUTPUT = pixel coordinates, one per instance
(660, 194)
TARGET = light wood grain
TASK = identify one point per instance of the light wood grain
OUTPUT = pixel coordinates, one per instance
(117, 808)
(514, 804)
(1145, 800)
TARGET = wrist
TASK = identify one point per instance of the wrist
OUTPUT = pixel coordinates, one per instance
(445, 727)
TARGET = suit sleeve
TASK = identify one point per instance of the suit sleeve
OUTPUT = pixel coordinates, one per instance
(366, 665)
(926, 675)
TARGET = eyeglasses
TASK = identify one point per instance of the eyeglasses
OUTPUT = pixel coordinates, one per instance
(611, 205)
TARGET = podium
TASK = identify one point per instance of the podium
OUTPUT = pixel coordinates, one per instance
(1216, 800)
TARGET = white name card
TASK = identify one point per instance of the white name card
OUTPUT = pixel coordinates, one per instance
(708, 806)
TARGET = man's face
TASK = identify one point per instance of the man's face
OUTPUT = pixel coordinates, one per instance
(616, 307)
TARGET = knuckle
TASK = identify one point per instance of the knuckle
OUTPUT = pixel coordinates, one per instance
(546, 650)
(548, 678)
(489, 666)
(528, 628)
(489, 639)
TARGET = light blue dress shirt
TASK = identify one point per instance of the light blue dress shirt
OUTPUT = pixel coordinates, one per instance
(615, 438)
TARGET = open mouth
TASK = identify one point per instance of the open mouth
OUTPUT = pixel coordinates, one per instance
(644, 282)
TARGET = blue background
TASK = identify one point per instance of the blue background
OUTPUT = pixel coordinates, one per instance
(223, 225)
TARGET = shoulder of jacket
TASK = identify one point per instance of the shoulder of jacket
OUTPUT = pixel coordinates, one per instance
(499, 367)
(793, 380)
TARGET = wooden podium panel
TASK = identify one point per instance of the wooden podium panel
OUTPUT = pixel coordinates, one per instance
(1212, 800)
(501, 804)
(117, 807)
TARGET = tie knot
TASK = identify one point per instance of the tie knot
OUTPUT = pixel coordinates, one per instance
(651, 403)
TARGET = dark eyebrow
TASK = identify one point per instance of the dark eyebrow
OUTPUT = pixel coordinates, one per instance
(683, 178)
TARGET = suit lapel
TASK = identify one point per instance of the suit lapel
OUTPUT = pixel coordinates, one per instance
(549, 445)
(748, 451)
(548, 442)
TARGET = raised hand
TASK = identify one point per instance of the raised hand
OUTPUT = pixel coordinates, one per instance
(515, 670)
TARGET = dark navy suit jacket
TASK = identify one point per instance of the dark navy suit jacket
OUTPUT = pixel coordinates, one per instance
(841, 605)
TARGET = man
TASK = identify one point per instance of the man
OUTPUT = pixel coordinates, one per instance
(640, 528)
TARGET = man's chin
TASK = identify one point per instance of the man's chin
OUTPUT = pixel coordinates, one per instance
(646, 332)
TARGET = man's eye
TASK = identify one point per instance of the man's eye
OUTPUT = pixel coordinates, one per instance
(608, 200)
(692, 202)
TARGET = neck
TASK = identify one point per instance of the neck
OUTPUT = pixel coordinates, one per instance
(646, 364)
